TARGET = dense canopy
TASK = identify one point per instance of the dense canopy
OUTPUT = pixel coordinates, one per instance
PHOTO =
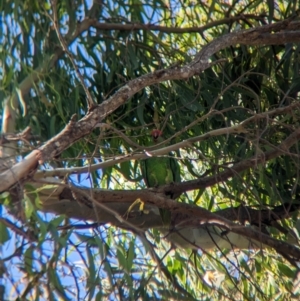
(83, 86)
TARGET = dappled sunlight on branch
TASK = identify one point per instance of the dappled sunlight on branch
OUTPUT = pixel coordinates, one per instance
(150, 150)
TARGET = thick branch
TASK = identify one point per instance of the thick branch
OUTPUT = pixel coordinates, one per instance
(76, 130)
(256, 217)
(206, 218)
(110, 198)
(192, 216)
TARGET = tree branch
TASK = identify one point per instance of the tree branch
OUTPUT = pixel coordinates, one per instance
(76, 130)
(191, 216)
(235, 169)
(167, 29)
(239, 128)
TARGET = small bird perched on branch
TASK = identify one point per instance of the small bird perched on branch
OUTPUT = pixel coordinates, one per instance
(159, 171)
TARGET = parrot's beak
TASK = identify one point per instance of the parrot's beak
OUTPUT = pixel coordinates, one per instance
(155, 134)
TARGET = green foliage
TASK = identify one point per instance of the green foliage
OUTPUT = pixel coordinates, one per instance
(4, 236)
(105, 262)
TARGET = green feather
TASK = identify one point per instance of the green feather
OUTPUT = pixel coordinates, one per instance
(159, 171)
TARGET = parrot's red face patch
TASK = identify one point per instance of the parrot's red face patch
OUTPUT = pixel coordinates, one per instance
(156, 133)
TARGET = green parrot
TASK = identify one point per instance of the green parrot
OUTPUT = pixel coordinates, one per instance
(159, 171)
